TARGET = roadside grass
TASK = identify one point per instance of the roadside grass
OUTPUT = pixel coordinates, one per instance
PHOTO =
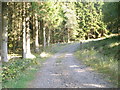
(102, 56)
(54, 48)
(23, 76)
(0, 76)
(15, 75)
(21, 81)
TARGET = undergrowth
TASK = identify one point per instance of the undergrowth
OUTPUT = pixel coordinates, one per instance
(17, 73)
(103, 56)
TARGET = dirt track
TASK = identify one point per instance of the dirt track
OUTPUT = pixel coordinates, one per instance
(63, 70)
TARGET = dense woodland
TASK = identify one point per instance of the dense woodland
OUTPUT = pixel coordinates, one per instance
(27, 25)
(30, 27)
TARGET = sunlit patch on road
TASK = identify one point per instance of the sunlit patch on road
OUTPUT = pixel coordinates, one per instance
(95, 85)
(80, 70)
(74, 66)
(68, 55)
(44, 54)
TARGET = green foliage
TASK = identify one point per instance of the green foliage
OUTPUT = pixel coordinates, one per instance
(84, 21)
(89, 18)
(111, 12)
(22, 80)
(25, 72)
(99, 55)
(14, 30)
(107, 46)
(15, 67)
(64, 20)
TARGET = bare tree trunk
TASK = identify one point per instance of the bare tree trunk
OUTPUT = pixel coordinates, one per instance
(48, 41)
(24, 32)
(44, 38)
(28, 51)
(53, 36)
(33, 26)
(4, 54)
(68, 38)
(41, 31)
(36, 35)
(28, 36)
(0, 29)
(39, 34)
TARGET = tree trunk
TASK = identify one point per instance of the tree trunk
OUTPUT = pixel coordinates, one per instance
(33, 28)
(41, 32)
(4, 54)
(68, 38)
(36, 35)
(0, 29)
(28, 51)
(28, 36)
(44, 38)
(48, 40)
(24, 32)
(53, 36)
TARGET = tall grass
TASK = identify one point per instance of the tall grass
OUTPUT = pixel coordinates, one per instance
(102, 56)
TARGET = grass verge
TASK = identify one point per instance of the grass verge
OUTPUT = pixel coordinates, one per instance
(17, 75)
(18, 72)
(54, 48)
(102, 56)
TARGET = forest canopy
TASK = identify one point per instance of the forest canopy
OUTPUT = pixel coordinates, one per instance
(31, 24)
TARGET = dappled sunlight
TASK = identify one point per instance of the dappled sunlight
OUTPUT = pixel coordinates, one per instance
(80, 70)
(44, 54)
(114, 44)
(12, 56)
(45, 36)
(30, 56)
(102, 56)
(61, 56)
(89, 40)
(68, 54)
(55, 74)
(72, 66)
(95, 85)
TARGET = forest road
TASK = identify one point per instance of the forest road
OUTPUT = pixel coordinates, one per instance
(63, 70)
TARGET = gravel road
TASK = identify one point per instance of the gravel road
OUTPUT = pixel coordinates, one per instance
(63, 70)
